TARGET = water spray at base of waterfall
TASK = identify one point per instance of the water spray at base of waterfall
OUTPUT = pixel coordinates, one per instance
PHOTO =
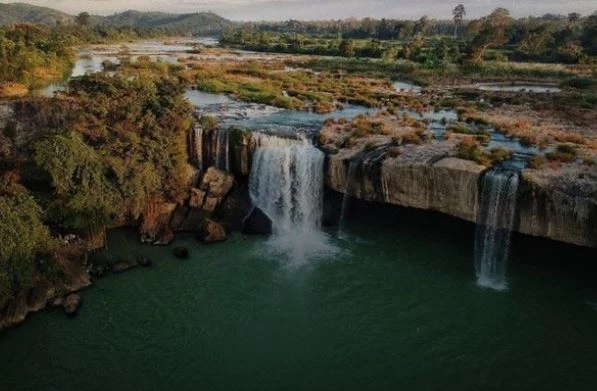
(494, 228)
(286, 183)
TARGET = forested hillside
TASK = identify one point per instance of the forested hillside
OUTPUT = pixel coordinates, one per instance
(202, 23)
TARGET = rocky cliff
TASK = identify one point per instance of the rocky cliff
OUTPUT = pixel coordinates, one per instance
(559, 204)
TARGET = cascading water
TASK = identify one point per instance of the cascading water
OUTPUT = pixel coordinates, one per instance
(494, 227)
(221, 150)
(196, 143)
(286, 183)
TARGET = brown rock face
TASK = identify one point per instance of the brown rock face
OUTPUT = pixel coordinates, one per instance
(155, 223)
(217, 183)
(212, 232)
(73, 264)
(413, 179)
(559, 204)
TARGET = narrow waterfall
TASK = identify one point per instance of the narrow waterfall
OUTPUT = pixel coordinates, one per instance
(350, 180)
(286, 183)
(494, 227)
(221, 149)
(196, 145)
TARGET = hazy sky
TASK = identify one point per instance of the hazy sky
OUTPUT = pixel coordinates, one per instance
(322, 9)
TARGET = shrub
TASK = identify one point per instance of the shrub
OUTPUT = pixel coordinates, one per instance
(536, 162)
(564, 153)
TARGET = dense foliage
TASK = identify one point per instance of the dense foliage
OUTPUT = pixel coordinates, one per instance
(550, 38)
(23, 236)
(32, 55)
(106, 148)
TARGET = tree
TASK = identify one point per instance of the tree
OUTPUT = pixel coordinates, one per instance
(573, 19)
(83, 19)
(493, 32)
(458, 13)
(422, 25)
(347, 48)
(589, 35)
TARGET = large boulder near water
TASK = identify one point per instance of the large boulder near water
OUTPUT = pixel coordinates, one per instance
(257, 223)
(212, 232)
(217, 183)
(155, 223)
(71, 304)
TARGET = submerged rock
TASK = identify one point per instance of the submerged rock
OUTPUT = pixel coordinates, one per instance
(181, 252)
(257, 223)
(144, 262)
(71, 304)
(212, 232)
(121, 267)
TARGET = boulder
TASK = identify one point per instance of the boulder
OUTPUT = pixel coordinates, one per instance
(155, 223)
(121, 267)
(197, 198)
(212, 232)
(99, 271)
(181, 252)
(257, 223)
(217, 183)
(144, 261)
(71, 304)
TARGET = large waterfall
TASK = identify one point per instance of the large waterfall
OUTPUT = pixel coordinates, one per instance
(286, 183)
(494, 226)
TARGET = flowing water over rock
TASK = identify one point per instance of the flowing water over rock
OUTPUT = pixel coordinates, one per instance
(286, 183)
(494, 226)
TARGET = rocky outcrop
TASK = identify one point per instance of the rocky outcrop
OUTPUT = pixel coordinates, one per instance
(212, 232)
(257, 223)
(44, 291)
(71, 304)
(422, 177)
(559, 204)
(204, 201)
(155, 225)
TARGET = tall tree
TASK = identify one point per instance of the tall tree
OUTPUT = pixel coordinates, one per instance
(83, 19)
(494, 31)
(458, 13)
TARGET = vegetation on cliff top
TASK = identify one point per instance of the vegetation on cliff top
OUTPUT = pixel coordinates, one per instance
(107, 147)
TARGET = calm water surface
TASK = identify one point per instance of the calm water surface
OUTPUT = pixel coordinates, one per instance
(396, 308)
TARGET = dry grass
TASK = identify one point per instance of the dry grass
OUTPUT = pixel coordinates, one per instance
(13, 90)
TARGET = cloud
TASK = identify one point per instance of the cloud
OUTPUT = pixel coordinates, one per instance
(322, 9)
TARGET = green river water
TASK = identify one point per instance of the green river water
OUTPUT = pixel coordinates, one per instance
(396, 309)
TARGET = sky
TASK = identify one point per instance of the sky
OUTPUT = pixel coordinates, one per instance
(322, 9)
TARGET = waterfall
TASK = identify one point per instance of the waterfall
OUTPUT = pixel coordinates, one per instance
(223, 149)
(196, 145)
(286, 183)
(494, 226)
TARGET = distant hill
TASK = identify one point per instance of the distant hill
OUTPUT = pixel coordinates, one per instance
(24, 13)
(198, 23)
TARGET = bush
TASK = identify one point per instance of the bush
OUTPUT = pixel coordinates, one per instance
(564, 153)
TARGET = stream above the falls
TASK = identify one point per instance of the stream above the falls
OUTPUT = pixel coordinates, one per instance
(397, 308)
